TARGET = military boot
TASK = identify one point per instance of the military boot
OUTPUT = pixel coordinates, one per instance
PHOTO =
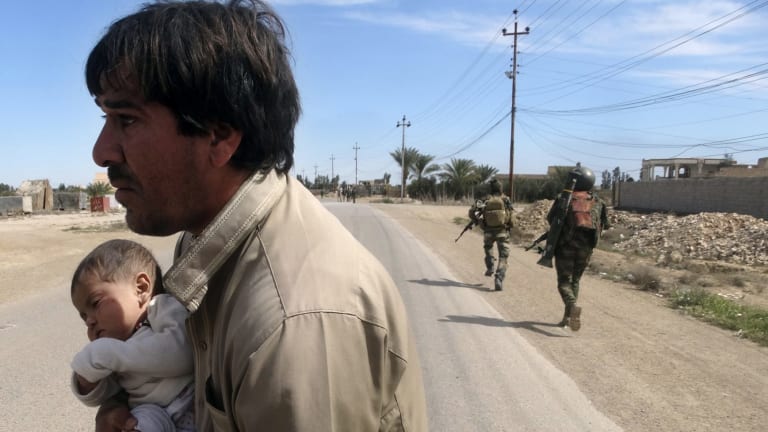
(575, 318)
(566, 317)
(497, 282)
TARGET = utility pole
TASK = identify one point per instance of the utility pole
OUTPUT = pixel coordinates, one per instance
(356, 148)
(513, 76)
(404, 125)
(332, 159)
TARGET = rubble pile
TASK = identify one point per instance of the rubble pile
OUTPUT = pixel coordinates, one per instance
(727, 237)
(533, 219)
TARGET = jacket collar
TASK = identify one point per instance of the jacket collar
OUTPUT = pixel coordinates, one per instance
(202, 256)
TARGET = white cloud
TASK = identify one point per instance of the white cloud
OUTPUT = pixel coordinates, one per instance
(659, 25)
(462, 27)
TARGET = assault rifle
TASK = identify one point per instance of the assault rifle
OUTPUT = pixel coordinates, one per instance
(478, 209)
(466, 228)
(556, 225)
(539, 239)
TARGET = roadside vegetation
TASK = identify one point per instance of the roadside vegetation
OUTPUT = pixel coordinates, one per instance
(747, 321)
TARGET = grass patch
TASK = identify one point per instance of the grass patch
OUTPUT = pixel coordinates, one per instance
(458, 220)
(644, 278)
(382, 201)
(751, 322)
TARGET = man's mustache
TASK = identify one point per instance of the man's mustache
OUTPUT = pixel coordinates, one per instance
(118, 172)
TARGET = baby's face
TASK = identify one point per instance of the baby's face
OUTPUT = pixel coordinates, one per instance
(109, 309)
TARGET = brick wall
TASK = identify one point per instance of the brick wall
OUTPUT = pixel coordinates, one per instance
(728, 195)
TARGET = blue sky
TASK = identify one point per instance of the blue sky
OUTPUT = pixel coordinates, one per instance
(603, 82)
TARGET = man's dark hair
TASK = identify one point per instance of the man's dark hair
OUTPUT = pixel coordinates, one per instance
(209, 63)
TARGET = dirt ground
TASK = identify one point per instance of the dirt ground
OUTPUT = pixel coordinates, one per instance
(646, 366)
(41, 251)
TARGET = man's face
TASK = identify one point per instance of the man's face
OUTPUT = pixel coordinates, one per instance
(159, 175)
(109, 309)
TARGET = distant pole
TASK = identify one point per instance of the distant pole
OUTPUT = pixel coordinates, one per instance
(513, 77)
(356, 148)
(404, 125)
(332, 177)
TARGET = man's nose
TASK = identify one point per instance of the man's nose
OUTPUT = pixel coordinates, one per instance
(106, 149)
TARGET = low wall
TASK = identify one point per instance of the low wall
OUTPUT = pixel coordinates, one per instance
(15, 205)
(70, 200)
(727, 195)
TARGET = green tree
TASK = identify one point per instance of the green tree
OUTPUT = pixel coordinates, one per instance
(422, 166)
(98, 189)
(407, 160)
(6, 190)
(458, 176)
(485, 172)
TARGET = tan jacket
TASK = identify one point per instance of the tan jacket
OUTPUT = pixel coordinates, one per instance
(295, 325)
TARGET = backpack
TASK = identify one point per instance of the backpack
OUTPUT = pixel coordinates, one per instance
(495, 212)
(581, 215)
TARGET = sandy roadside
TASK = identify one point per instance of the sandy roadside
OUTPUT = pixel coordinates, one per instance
(39, 252)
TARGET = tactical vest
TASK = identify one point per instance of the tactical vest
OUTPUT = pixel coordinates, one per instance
(495, 212)
(581, 214)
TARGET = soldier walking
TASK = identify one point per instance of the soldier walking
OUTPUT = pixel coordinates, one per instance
(582, 224)
(494, 215)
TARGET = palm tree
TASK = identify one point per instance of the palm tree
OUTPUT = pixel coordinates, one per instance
(485, 172)
(410, 155)
(458, 175)
(98, 189)
(421, 166)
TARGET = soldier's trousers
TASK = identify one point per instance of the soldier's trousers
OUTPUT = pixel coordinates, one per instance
(570, 262)
(501, 239)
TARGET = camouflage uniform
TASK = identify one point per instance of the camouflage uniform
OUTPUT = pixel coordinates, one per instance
(491, 235)
(572, 254)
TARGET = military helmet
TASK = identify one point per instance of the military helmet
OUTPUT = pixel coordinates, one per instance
(584, 177)
(495, 185)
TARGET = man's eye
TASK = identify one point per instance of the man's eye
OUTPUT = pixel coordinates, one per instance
(122, 120)
(126, 120)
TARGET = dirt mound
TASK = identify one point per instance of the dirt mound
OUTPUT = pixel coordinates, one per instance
(725, 237)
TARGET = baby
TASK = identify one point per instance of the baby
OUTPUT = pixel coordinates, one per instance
(138, 342)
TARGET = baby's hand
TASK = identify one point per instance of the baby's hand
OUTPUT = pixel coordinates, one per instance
(84, 386)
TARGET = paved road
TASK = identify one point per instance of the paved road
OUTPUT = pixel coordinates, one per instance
(480, 374)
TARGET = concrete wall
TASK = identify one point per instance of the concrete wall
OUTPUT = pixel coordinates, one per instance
(728, 195)
(15, 205)
(70, 200)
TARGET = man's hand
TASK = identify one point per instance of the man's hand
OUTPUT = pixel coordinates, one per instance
(115, 416)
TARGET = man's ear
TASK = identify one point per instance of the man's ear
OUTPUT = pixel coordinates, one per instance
(225, 142)
(143, 288)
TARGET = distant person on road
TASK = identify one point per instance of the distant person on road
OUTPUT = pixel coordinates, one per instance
(494, 215)
(138, 344)
(200, 106)
(584, 221)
